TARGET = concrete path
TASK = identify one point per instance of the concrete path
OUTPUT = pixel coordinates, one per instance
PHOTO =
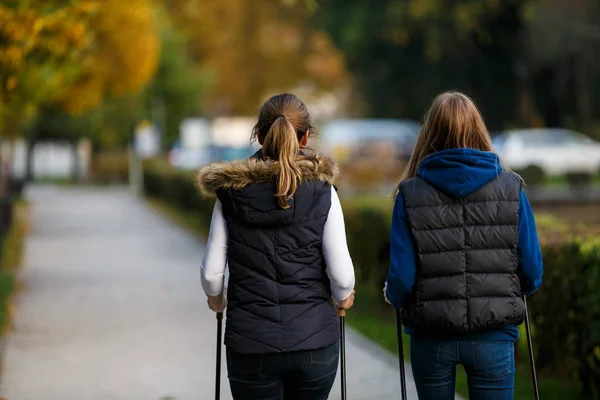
(112, 309)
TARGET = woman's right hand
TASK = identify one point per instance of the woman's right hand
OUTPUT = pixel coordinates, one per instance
(218, 303)
(347, 303)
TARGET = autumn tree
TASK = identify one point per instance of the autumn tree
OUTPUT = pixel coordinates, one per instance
(73, 54)
(253, 49)
(86, 52)
(122, 57)
(41, 46)
(178, 85)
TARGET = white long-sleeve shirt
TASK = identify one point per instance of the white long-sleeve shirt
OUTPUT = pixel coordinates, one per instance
(335, 252)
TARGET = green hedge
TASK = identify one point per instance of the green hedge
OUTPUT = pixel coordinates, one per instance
(367, 232)
(177, 189)
(565, 312)
(11, 252)
(110, 167)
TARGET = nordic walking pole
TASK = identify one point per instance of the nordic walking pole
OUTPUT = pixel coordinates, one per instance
(401, 355)
(342, 314)
(536, 390)
(218, 369)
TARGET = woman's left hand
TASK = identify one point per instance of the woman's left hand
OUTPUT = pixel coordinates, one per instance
(385, 294)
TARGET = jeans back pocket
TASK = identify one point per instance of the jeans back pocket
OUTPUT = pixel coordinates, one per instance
(494, 359)
(325, 356)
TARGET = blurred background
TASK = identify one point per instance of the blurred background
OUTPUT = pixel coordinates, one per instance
(143, 92)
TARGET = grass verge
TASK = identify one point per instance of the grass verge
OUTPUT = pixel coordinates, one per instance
(377, 322)
(11, 253)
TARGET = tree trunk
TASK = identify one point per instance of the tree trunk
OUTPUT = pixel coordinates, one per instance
(75, 169)
(29, 162)
(3, 177)
(581, 61)
(583, 93)
(525, 106)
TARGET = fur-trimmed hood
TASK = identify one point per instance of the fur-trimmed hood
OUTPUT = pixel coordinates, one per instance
(239, 174)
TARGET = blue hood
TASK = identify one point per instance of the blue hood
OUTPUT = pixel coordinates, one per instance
(459, 172)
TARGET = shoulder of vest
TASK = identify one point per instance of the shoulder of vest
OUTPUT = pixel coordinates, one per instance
(408, 183)
(510, 178)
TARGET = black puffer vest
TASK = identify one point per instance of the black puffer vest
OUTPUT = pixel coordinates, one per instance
(466, 257)
(279, 292)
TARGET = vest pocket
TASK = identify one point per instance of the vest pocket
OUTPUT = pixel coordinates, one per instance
(325, 356)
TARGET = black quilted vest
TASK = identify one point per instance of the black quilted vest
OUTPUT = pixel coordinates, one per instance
(279, 292)
(466, 257)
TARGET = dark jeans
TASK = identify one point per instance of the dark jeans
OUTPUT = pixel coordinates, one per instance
(490, 368)
(301, 375)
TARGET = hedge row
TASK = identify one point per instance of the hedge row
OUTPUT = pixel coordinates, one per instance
(110, 167)
(565, 313)
(11, 251)
(535, 176)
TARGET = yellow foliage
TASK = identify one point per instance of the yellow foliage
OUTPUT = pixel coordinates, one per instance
(124, 55)
(74, 53)
(34, 45)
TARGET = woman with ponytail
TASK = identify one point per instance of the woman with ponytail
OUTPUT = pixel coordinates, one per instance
(278, 226)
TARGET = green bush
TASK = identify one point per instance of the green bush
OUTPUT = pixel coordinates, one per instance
(177, 189)
(110, 167)
(10, 259)
(368, 240)
(565, 313)
(579, 182)
(532, 175)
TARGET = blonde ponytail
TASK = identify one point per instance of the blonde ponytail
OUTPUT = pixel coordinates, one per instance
(281, 144)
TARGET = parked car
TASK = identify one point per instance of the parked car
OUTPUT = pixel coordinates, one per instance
(552, 151)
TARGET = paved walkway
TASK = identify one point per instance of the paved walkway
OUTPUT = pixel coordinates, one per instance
(112, 309)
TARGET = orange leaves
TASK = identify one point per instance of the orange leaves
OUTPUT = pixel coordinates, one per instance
(127, 39)
(74, 53)
(123, 54)
(11, 83)
(35, 46)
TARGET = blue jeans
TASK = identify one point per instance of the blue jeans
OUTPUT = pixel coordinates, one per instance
(490, 368)
(300, 375)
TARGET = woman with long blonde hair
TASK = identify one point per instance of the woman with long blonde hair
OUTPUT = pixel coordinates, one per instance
(464, 250)
(278, 225)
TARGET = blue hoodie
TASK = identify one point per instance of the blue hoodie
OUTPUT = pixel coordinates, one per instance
(460, 172)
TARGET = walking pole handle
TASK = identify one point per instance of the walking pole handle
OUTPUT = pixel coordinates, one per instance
(341, 312)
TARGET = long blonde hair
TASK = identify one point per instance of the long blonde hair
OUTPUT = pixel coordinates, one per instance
(453, 121)
(283, 121)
